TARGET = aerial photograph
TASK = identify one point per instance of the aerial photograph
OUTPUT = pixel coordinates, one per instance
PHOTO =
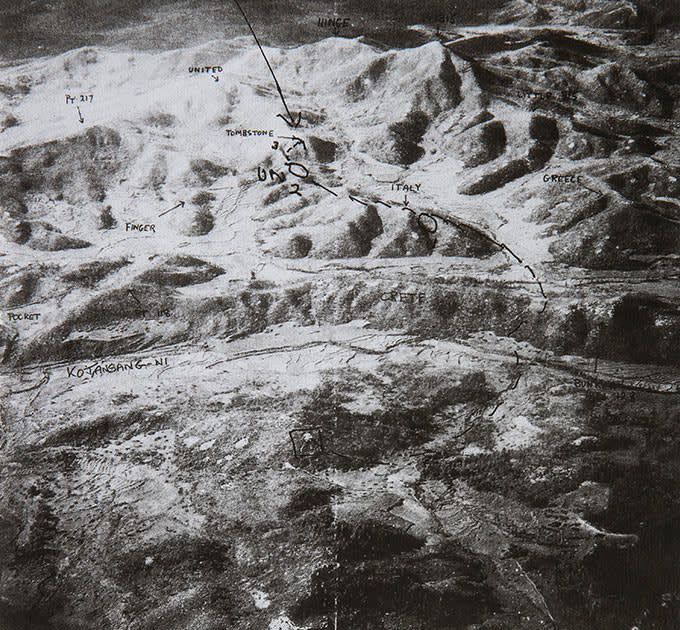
(339, 315)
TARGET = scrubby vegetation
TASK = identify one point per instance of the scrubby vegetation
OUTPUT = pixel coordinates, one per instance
(180, 271)
(89, 274)
(299, 246)
(406, 135)
(202, 222)
(353, 439)
(206, 172)
(106, 219)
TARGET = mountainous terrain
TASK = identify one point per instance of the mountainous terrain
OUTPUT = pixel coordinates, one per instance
(413, 362)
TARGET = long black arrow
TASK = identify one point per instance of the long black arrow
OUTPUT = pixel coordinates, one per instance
(179, 205)
(290, 121)
(80, 116)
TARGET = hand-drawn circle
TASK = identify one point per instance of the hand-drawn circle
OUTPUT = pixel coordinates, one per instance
(290, 166)
(431, 228)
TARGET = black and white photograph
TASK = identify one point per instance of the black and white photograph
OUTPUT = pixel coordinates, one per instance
(340, 315)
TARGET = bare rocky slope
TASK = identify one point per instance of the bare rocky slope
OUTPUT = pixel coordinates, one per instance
(458, 275)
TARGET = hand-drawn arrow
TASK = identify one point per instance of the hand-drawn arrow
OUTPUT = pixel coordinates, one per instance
(597, 192)
(80, 116)
(297, 141)
(139, 304)
(214, 76)
(179, 205)
(134, 297)
(290, 121)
